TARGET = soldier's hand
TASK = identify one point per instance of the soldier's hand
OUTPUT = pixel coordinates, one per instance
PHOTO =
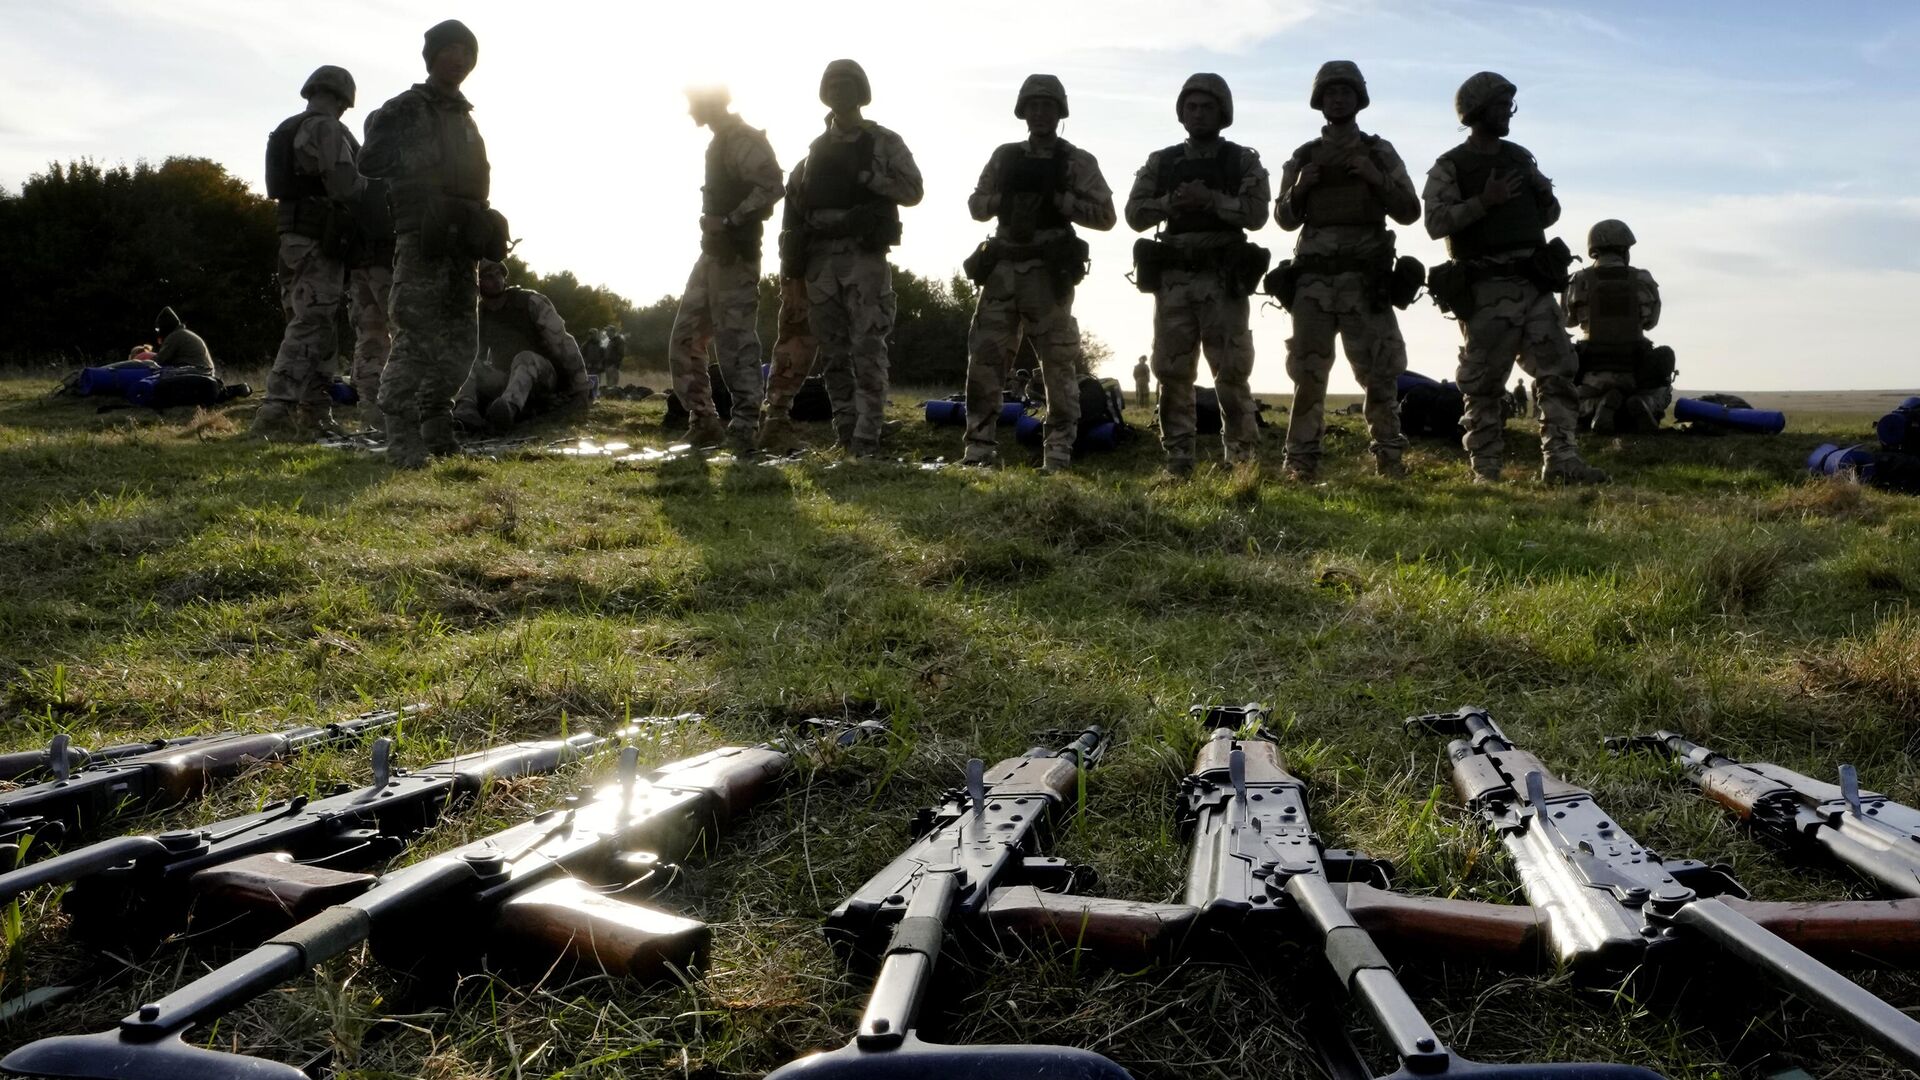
(1499, 188)
(1363, 166)
(1308, 179)
(712, 223)
(1192, 195)
(1064, 203)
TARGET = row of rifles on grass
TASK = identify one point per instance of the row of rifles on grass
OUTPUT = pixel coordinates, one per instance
(311, 875)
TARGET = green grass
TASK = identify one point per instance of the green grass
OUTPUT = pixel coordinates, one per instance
(168, 577)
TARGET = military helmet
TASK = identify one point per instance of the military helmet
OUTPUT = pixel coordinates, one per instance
(1339, 71)
(1611, 234)
(334, 80)
(487, 266)
(853, 70)
(1208, 83)
(1046, 86)
(1479, 89)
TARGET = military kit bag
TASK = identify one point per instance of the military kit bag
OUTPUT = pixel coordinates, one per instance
(1900, 429)
(463, 229)
(1549, 265)
(1282, 282)
(1654, 367)
(1147, 264)
(1450, 287)
(1068, 259)
(1406, 281)
(1428, 408)
(1245, 266)
(978, 265)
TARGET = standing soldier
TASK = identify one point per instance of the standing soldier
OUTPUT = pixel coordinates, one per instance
(616, 353)
(1206, 193)
(1339, 190)
(1625, 381)
(794, 347)
(369, 287)
(845, 199)
(722, 297)
(1491, 203)
(1039, 189)
(425, 143)
(1141, 374)
(310, 173)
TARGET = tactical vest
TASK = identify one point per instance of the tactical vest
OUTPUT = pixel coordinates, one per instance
(1341, 198)
(1023, 174)
(724, 191)
(509, 330)
(1220, 173)
(462, 170)
(834, 166)
(373, 221)
(1514, 225)
(1613, 319)
(302, 196)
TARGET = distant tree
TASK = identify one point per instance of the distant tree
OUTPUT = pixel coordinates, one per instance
(930, 328)
(1094, 351)
(582, 306)
(647, 331)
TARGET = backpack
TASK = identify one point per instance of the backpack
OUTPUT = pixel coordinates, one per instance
(1900, 429)
(811, 404)
(1432, 410)
(677, 414)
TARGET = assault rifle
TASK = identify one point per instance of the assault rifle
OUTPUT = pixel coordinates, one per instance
(1865, 830)
(61, 758)
(520, 890)
(70, 804)
(1609, 903)
(974, 840)
(294, 856)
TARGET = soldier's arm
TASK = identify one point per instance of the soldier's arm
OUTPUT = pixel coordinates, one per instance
(1248, 207)
(1285, 213)
(561, 348)
(793, 214)
(325, 146)
(1577, 299)
(1144, 208)
(1447, 212)
(894, 173)
(1402, 204)
(753, 159)
(400, 140)
(1649, 301)
(985, 200)
(169, 353)
(1092, 198)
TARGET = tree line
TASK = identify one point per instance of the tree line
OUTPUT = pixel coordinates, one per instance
(93, 252)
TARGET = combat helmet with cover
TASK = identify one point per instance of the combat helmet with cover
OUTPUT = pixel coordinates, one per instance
(1480, 88)
(1339, 71)
(1046, 86)
(852, 70)
(332, 79)
(1609, 235)
(1208, 83)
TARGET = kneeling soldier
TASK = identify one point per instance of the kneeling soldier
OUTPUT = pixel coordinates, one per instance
(1626, 382)
(1039, 189)
(526, 363)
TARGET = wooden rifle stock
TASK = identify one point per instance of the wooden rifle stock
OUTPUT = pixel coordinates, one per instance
(1848, 933)
(565, 922)
(274, 885)
(1504, 935)
(1117, 931)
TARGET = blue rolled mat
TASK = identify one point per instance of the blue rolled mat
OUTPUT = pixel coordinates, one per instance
(1900, 429)
(946, 413)
(1012, 411)
(1410, 379)
(1029, 429)
(343, 393)
(1103, 437)
(1757, 421)
(113, 381)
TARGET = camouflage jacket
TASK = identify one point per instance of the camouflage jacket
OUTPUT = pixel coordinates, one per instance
(553, 341)
(324, 147)
(1247, 208)
(1448, 210)
(749, 155)
(1092, 198)
(894, 175)
(1399, 200)
(1579, 309)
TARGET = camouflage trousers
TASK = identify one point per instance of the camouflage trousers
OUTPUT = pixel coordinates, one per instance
(1195, 310)
(1018, 301)
(1603, 394)
(312, 286)
(368, 290)
(794, 347)
(719, 308)
(527, 385)
(850, 306)
(1339, 305)
(434, 316)
(1513, 319)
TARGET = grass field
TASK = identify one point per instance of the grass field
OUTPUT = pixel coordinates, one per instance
(168, 576)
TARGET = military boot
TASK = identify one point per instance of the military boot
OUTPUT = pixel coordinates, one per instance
(1301, 470)
(778, 435)
(1056, 464)
(1179, 468)
(1640, 415)
(704, 431)
(741, 441)
(1390, 466)
(1486, 472)
(314, 422)
(1572, 471)
(437, 434)
(405, 448)
(865, 449)
(843, 436)
(273, 422)
(501, 415)
(369, 417)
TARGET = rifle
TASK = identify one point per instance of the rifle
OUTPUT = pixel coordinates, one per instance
(1609, 903)
(69, 805)
(968, 844)
(293, 856)
(1865, 830)
(518, 885)
(61, 758)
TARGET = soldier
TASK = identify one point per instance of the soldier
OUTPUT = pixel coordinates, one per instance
(311, 175)
(369, 288)
(527, 363)
(843, 214)
(593, 350)
(181, 350)
(1519, 397)
(1141, 374)
(1625, 381)
(425, 143)
(1038, 189)
(1206, 193)
(616, 354)
(1488, 199)
(794, 347)
(1339, 190)
(722, 298)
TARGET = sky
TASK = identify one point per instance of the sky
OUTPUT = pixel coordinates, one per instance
(1763, 152)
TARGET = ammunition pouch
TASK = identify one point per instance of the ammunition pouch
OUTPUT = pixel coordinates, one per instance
(1548, 266)
(1450, 286)
(1240, 265)
(1406, 281)
(1147, 264)
(1281, 282)
(1066, 259)
(738, 243)
(978, 265)
(462, 229)
(867, 223)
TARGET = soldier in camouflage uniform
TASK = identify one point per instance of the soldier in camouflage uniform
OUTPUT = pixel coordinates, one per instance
(1626, 382)
(425, 144)
(1339, 190)
(794, 348)
(616, 353)
(527, 363)
(722, 298)
(845, 199)
(311, 175)
(369, 288)
(1039, 189)
(1488, 200)
(1206, 193)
